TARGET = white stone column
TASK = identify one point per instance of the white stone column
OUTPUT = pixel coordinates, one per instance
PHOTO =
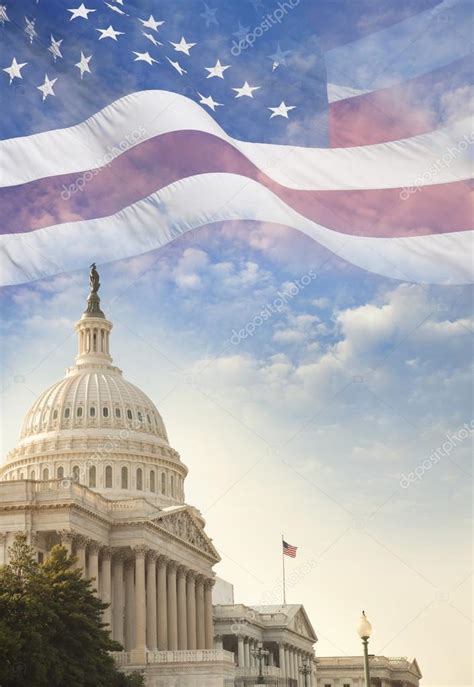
(253, 661)
(240, 651)
(106, 584)
(287, 661)
(200, 623)
(182, 610)
(313, 680)
(191, 609)
(172, 607)
(151, 601)
(118, 603)
(247, 652)
(80, 544)
(93, 548)
(67, 537)
(140, 604)
(281, 656)
(208, 621)
(129, 604)
(162, 605)
(3, 547)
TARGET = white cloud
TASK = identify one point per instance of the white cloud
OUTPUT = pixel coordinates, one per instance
(380, 343)
(189, 269)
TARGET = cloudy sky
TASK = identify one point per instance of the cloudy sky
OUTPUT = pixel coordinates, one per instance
(308, 398)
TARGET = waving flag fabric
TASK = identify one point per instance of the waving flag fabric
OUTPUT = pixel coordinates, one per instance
(289, 549)
(126, 124)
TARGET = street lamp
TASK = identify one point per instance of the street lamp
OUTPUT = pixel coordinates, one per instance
(305, 670)
(364, 629)
(260, 655)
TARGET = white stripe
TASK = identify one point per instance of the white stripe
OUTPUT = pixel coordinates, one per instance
(418, 45)
(336, 92)
(207, 198)
(149, 113)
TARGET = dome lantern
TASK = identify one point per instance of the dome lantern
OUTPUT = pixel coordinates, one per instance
(93, 329)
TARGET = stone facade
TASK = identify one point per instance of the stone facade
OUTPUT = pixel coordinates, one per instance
(94, 471)
(284, 631)
(348, 671)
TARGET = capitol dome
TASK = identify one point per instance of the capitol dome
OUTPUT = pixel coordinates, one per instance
(95, 427)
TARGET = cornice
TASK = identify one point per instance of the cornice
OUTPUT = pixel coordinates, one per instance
(32, 459)
(34, 507)
(153, 526)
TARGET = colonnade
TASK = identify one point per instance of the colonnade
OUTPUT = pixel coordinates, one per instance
(156, 603)
(290, 658)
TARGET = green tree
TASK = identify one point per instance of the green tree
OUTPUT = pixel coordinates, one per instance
(51, 629)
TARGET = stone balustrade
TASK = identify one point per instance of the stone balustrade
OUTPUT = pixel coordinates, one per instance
(268, 671)
(124, 658)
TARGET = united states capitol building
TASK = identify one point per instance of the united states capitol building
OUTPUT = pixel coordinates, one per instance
(94, 470)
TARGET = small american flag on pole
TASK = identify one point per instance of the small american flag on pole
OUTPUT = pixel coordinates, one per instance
(289, 550)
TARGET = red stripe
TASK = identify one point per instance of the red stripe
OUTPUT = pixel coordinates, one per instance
(411, 108)
(164, 159)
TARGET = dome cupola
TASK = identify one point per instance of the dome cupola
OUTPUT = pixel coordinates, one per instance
(95, 427)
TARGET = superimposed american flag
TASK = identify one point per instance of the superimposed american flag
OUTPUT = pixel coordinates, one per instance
(127, 123)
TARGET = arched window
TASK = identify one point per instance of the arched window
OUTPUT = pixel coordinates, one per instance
(60, 473)
(139, 479)
(92, 476)
(22, 475)
(108, 477)
(172, 486)
(152, 481)
(33, 475)
(95, 341)
(67, 412)
(117, 412)
(140, 416)
(55, 414)
(129, 414)
(105, 411)
(79, 411)
(124, 478)
(45, 473)
(75, 473)
(163, 483)
(92, 411)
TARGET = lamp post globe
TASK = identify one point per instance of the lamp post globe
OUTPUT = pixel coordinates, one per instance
(364, 629)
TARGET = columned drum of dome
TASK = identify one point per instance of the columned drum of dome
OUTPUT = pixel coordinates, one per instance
(95, 427)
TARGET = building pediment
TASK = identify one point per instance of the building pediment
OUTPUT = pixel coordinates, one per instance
(416, 668)
(183, 525)
(301, 625)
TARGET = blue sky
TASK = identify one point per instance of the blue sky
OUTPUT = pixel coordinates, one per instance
(306, 427)
(306, 396)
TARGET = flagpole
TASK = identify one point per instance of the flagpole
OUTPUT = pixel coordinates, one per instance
(283, 562)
